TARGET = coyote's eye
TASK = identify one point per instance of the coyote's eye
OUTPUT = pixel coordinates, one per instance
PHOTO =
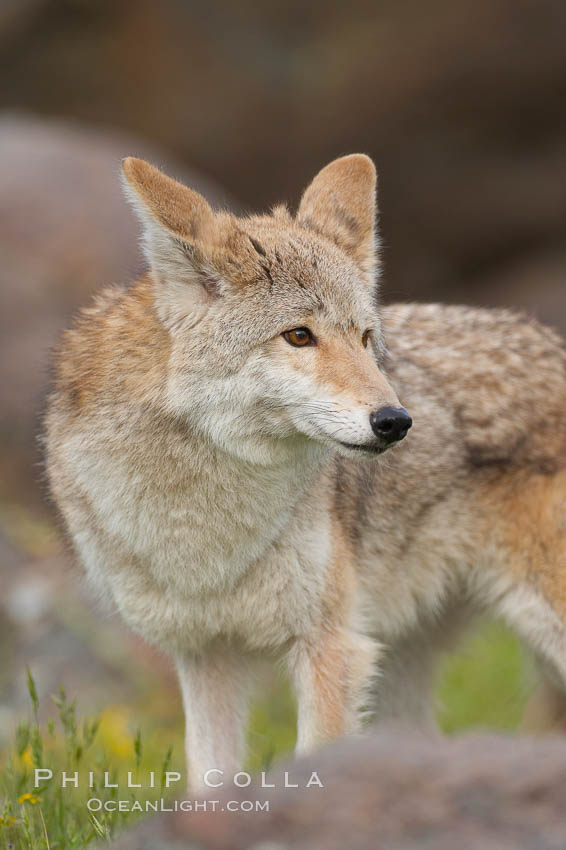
(299, 337)
(365, 338)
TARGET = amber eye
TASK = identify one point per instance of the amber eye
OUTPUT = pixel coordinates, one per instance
(365, 338)
(299, 337)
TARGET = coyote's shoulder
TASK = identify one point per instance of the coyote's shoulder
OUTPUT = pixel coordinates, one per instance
(115, 352)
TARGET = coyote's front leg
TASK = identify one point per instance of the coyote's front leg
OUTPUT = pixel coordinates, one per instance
(331, 674)
(215, 688)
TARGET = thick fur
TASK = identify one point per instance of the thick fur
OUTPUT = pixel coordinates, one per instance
(224, 490)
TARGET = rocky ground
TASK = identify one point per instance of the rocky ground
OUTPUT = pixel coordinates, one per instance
(390, 791)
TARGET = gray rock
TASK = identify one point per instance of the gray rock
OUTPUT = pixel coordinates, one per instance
(392, 790)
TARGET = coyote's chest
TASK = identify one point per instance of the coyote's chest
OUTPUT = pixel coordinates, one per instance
(192, 534)
(197, 547)
(183, 570)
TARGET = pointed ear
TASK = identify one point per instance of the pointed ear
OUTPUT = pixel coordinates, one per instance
(179, 231)
(340, 204)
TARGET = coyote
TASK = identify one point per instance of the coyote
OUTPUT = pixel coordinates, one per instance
(255, 461)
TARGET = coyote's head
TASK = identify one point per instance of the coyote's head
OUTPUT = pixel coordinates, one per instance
(274, 326)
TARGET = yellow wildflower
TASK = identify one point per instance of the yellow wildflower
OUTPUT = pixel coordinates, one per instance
(27, 758)
(114, 731)
(28, 798)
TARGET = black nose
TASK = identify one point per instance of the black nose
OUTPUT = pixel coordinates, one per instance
(390, 424)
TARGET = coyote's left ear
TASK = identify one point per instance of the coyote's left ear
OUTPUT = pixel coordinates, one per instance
(340, 203)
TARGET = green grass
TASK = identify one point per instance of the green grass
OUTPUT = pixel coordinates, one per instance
(54, 818)
(483, 685)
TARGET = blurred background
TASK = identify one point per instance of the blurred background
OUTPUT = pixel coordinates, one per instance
(460, 103)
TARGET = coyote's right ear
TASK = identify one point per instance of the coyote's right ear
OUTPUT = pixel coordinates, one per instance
(179, 229)
(340, 204)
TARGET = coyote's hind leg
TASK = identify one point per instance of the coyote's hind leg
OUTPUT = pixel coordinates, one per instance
(528, 587)
(546, 709)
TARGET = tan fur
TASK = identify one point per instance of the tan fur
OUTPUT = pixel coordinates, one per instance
(532, 528)
(351, 372)
(183, 212)
(223, 490)
(340, 204)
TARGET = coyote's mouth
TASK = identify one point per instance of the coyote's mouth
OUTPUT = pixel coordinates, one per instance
(369, 448)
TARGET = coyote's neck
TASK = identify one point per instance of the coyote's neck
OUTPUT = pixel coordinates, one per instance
(197, 517)
(247, 505)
